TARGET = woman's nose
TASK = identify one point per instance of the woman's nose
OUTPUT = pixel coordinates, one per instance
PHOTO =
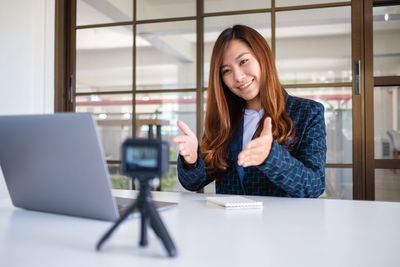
(238, 75)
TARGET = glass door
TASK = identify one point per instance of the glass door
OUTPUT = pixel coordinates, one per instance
(383, 98)
(313, 48)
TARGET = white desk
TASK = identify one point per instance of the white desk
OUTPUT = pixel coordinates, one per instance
(287, 232)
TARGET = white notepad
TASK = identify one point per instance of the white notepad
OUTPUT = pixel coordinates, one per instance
(235, 202)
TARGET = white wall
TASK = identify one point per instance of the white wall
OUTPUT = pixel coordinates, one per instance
(26, 59)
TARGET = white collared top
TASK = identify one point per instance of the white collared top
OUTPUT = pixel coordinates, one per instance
(250, 124)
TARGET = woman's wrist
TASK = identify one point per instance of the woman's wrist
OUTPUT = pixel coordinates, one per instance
(186, 165)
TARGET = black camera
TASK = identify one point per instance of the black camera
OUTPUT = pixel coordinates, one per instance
(147, 158)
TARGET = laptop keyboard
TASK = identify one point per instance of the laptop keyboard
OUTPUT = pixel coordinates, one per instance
(124, 203)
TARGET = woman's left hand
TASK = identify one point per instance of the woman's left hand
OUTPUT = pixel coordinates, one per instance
(257, 150)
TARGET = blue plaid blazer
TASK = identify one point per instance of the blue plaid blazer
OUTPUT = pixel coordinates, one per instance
(299, 173)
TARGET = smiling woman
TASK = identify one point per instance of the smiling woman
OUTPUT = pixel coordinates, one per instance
(287, 153)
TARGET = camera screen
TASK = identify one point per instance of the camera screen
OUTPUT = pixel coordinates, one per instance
(141, 158)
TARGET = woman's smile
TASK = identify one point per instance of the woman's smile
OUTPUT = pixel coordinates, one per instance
(246, 85)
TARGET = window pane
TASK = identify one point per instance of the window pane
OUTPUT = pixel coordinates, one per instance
(338, 119)
(170, 182)
(113, 116)
(97, 12)
(314, 46)
(205, 95)
(386, 27)
(118, 180)
(211, 6)
(162, 111)
(213, 26)
(387, 185)
(104, 59)
(387, 122)
(280, 3)
(338, 183)
(157, 9)
(166, 55)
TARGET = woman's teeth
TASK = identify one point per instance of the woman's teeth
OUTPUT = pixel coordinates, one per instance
(246, 84)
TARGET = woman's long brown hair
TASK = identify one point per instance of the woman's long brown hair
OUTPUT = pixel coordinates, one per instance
(225, 110)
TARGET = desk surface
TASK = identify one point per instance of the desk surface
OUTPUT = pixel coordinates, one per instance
(286, 232)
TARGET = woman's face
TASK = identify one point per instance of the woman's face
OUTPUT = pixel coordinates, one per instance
(241, 72)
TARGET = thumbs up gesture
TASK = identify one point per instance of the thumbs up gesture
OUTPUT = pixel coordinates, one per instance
(257, 150)
(187, 143)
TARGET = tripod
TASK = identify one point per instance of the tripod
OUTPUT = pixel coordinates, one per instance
(148, 212)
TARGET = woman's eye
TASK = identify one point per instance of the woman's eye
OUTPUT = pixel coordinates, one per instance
(243, 61)
(225, 71)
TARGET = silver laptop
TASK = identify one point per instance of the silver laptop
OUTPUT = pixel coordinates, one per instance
(55, 163)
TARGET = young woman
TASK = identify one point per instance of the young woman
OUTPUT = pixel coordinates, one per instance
(258, 140)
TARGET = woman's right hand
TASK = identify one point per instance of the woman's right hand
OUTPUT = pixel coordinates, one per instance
(187, 143)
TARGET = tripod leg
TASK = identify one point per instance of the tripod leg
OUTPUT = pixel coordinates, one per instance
(160, 230)
(116, 224)
(143, 229)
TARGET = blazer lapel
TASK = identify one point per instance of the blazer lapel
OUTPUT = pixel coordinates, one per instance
(235, 148)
